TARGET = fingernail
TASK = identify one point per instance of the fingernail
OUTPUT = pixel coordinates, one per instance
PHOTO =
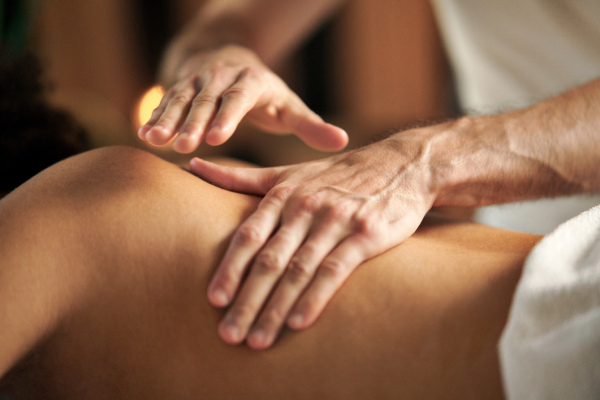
(233, 333)
(194, 162)
(295, 321)
(230, 331)
(219, 298)
(258, 338)
(142, 131)
(148, 134)
(179, 143)
(214, 127)
(213, 135)
(156, 129)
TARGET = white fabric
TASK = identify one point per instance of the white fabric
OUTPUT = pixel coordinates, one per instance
(550, 348)
(511, 53)
(508, 54)
(539, 216)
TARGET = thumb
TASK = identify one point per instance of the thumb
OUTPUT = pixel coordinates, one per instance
(238, 179)
(313, 131)
(319, 134)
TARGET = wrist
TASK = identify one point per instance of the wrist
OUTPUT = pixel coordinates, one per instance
(425, 153)
(468, 160)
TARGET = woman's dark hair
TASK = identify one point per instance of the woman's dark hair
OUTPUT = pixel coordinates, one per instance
(33, 134)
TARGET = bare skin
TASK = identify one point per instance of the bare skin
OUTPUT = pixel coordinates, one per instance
(106, 256)
(318, 219)
(218, 72)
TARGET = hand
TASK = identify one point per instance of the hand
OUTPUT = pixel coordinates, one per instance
(317, 222)
(218, 89)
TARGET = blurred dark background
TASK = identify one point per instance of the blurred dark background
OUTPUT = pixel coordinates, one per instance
(374, 67)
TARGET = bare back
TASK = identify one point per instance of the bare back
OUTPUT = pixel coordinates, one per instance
(122, 292)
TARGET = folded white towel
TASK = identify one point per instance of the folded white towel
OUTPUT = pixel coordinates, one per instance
(550, 348)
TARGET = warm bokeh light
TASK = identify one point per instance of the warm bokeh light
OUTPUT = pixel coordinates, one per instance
(146, 104)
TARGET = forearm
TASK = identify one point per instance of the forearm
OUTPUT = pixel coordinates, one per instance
(270, 28)
(547, 150)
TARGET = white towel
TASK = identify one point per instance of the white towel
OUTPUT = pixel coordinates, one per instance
(550, 348)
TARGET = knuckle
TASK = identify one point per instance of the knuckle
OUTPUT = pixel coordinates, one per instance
(204, 99)
(180, 100)
(309, 249)
(248, 235)
(340, 211)
(250, 72)
(280, 194)
(193, 79)
(309, 203)
(268, 262)
(273, 317)
(298, 271)
(368, 225)
(333, 268)
(233, 93)
(228, 281)
(217, 69)
(190, 82)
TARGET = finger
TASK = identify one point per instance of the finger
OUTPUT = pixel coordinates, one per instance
(202, 110)
(330, 275)
(156, 113)
(295, 117)
(247, 240)
(312, 130)
(238, 179)
(266, 270)
(321, 135)
(245, 243)
(295, 279)
(236, 101)
(173, 115)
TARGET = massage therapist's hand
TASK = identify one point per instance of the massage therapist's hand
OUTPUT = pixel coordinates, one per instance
(317, 222)
(217, 89)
